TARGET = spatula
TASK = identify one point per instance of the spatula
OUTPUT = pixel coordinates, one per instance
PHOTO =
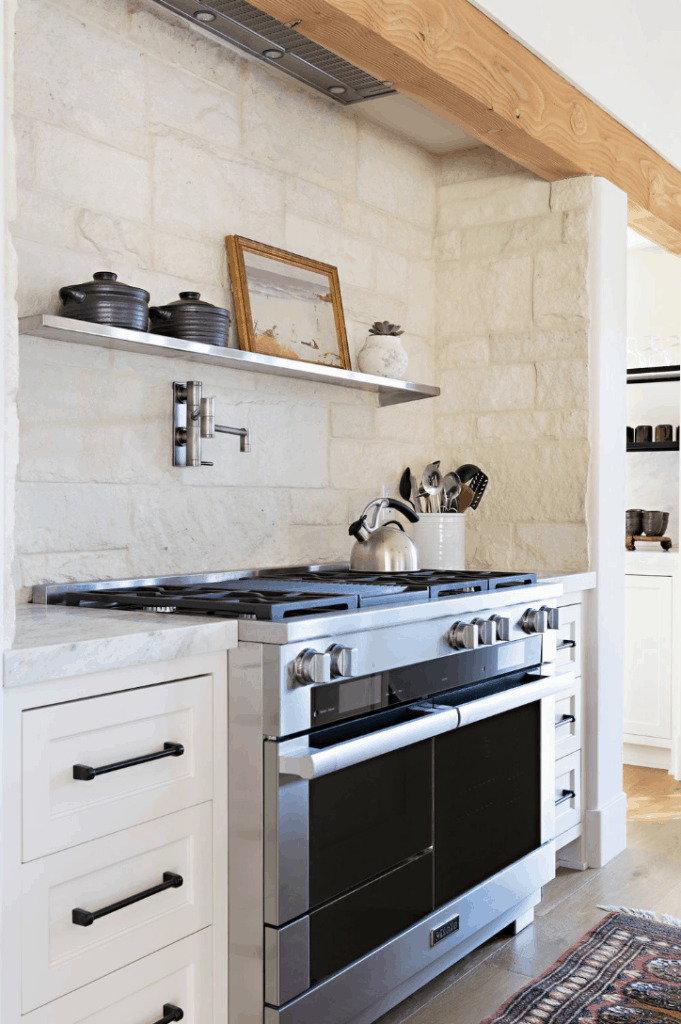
(465, 498)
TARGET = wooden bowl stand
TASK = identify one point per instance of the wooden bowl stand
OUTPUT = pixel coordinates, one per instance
(632, 538)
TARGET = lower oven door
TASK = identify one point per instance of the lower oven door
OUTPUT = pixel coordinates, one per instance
(366, 837)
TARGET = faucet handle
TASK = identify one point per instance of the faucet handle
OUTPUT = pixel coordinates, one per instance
(208, 417)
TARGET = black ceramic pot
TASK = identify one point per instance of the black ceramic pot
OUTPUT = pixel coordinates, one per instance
(105, 300)
(190, 318)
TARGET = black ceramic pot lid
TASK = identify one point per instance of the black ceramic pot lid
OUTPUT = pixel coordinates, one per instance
(190, 302)
(104, 285)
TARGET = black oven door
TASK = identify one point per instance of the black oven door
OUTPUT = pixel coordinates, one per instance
(347, 825)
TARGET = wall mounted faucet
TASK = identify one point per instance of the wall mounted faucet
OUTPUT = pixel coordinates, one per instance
(194, 418)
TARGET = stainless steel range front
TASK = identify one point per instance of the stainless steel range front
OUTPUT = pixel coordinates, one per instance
(391, 792)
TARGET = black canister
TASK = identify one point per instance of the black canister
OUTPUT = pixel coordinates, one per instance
(192, 319)
(105, 300)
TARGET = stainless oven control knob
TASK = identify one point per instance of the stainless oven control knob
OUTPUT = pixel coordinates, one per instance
(535, 621)
(313, 667)
(344, 661)
(463, 636)
(552, 615)
(487, 631)
(503, 626)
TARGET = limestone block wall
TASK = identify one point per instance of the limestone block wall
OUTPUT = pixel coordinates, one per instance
(141, 144)
(512, 350)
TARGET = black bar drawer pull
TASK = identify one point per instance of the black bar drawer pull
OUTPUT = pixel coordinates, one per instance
(564, 644)
(568, 794)
(85, 773)
(170, 1013)
(86, 917)
(564, 720)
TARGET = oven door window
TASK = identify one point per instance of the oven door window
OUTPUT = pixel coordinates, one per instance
(487, 799)
(368, 818)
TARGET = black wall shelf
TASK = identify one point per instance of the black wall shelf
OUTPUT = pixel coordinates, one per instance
(654, 446)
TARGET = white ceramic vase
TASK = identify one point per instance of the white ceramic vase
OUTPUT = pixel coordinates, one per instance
(441, 540)
(383, 355)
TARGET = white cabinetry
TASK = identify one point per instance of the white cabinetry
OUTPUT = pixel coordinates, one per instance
(651, 661)
(143, 840)
(570, 745)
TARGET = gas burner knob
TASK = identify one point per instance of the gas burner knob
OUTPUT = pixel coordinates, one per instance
(313, 667)
(487, 631)
(552, 616)
(344, 661)
(535, 621)
(463, 636)
(503, 626)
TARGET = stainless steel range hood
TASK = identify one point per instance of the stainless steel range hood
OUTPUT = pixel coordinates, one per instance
(277, 44)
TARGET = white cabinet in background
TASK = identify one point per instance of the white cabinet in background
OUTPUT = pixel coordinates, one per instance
(648, 660)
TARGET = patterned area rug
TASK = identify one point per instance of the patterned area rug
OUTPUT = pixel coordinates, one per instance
(627, 970)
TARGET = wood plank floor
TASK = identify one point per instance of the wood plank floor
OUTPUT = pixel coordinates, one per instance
(646, 875)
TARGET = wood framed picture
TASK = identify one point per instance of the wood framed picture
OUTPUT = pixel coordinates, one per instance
(287, 305)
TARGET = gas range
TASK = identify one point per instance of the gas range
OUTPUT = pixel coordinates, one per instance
(391, 740)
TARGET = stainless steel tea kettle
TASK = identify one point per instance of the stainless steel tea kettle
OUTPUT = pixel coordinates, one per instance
(386, 547)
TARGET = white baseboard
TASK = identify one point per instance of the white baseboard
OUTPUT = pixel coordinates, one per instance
(606, 831)
(647, 757)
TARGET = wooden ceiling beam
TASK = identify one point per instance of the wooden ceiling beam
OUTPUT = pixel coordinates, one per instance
(457, 62)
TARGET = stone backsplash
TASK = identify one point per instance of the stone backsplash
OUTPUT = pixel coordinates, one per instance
(512, 355)
(141, 144)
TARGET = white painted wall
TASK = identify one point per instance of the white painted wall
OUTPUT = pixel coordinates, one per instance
(624, 54)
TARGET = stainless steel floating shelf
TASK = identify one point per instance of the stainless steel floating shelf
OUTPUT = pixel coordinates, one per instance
(59, 328)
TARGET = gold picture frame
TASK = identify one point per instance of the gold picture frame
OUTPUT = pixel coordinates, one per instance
(293, 315)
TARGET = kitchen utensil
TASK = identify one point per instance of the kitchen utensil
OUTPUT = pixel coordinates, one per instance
(653, 523)
(405, 486)
(467, 472)
(431, 484)
(106, 300)
(386, 547)
(465, 498)
(415, 496)
(191, 318)
(633, 520)
(664, 432)
(478, 485)
(451, 486)
(643, 434)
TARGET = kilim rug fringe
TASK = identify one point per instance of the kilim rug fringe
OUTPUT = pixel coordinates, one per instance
(626, 970)
(650, 915)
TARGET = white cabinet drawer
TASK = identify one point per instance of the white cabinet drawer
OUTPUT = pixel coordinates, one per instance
(568, 780)
(179, 975)
(569, 720)
(59, 955)
(570, 635)
(60, 811)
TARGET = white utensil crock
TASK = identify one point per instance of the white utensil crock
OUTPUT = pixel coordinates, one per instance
(441, 540)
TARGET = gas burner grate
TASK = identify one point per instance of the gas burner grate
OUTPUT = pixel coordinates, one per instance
(439, 583)
(254, 602)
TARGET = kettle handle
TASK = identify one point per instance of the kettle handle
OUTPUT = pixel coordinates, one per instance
(361, 529)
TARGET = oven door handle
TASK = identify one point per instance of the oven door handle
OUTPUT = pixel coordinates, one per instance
(298, 758)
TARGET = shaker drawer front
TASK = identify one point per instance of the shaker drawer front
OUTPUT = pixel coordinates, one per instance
(179, 975)
(569, 640)
(63, 948)
(60, 811)
(568, 781)
(569, 721)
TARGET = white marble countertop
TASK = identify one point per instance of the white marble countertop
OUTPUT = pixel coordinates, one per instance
(572, 581)
(55, 642)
